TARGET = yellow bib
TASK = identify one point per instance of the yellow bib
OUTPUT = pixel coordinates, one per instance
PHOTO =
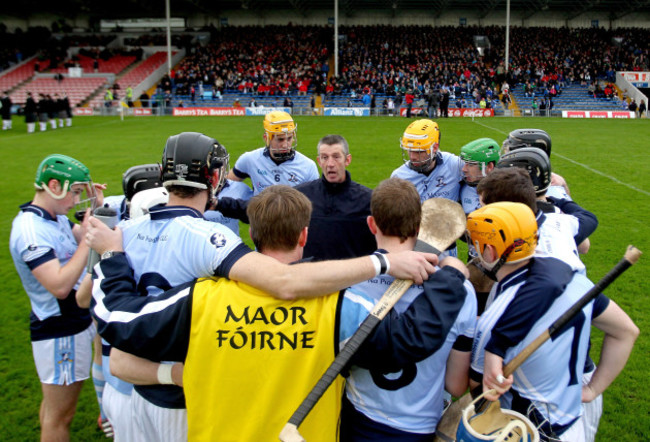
(252, 359)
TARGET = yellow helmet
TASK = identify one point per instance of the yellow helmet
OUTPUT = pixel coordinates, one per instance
(420, 136)
(510, 227)
(280, 123)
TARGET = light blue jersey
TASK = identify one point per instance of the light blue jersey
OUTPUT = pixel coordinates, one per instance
(443, 181)
(36, 238)
(470, 201)
(263, 172)
(469, 198)
(551, 378)
(173, 245)
(410, 404)
(232, 189)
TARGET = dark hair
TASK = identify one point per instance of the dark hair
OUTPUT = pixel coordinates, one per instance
(511, 184)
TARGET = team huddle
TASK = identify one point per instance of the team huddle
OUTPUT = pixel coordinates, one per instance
(203, 338)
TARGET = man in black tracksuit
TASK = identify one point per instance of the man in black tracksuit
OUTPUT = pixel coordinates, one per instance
(340, 207)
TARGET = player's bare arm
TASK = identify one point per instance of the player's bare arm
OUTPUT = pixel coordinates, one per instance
(316, 279)
(620, 335)
(60, 280)
(85, 292)
(492, 374)
(138, 371)
(457, 372)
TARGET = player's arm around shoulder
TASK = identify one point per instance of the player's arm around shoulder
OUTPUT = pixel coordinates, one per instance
(307, 280)
(156, 328)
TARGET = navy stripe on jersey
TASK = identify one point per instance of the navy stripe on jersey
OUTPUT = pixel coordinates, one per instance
(239, 174)
(230, 260)
(31, 208)
(72, 320)
(463, 343)
(546, 279)
(49, 256)
(169, 212)
(600, 305)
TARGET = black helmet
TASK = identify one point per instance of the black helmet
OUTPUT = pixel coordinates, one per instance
(142, 177)
(536, 163)
(527, 138)
(191, 159)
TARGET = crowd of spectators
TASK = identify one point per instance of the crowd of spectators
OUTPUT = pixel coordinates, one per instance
(273, 60)
(387, 60)
(394, 60)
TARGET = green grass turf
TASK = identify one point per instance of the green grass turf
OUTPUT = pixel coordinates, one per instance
(604, 162)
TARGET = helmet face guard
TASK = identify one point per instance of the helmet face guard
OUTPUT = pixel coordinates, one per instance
(280, 124)
(511, 228)
(478, 153)
(421, 165)
(68, 172)
(422, 137)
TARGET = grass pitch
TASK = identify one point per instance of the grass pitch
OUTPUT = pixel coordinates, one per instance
(604, 162)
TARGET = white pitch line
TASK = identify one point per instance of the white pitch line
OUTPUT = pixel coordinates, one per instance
(598, 172)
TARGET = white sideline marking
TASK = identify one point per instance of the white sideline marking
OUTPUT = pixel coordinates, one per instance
(616, 180)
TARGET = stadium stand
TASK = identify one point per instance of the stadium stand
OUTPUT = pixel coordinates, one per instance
(135, 76)
(22, 73)
(113, 65)
(77, 89)
(573, 97)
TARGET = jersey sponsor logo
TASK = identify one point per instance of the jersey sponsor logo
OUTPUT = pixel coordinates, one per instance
(239, 336)
(151, 239)
(218, 240)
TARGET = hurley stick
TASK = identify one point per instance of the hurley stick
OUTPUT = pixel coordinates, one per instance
(449, 421)
(443, 222)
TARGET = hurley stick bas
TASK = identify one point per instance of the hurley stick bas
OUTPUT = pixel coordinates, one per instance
(443, 222)
(449, 421)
